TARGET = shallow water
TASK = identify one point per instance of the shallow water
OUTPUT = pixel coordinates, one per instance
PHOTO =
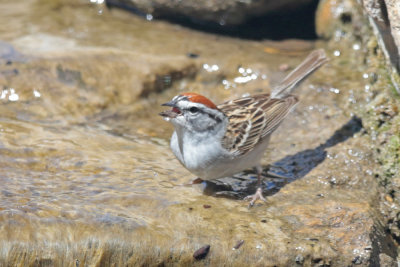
(85, 159)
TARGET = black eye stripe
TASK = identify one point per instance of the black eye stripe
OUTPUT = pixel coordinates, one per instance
(194, 109)
(214, 117)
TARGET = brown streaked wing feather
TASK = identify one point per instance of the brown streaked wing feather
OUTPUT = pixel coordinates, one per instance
(251, 119)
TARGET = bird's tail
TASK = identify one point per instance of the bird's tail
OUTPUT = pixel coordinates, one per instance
(314, 60)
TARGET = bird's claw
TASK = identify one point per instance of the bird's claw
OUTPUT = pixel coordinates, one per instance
(253, 198)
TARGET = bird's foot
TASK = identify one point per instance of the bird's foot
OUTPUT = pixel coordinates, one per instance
(253, 198)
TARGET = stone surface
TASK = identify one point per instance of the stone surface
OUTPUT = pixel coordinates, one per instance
(381, 116)
(336, 18)
(88, 178)
(383, 17)
(222, 12)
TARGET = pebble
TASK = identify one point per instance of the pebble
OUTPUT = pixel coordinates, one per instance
(201, 253)
(238, 245)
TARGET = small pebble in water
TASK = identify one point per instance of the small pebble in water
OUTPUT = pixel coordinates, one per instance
(238, 245)
(299, 259)
(201, 253)
(365, 75)
(388, 198)
(192, 55)
(206, 206)
(336, 53)
(357, 260)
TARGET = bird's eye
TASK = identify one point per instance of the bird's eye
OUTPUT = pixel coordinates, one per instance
(193, 110)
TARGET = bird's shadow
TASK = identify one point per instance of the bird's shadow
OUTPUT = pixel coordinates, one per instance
(281, 172)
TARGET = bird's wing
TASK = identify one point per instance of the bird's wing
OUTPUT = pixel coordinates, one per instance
(253, 118)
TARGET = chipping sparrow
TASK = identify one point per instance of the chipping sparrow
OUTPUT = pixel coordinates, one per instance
(217, 141)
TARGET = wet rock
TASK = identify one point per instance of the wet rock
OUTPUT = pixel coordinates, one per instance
(299, 259)
(335, 18)
(81, 81)
(87, 173)
(385, 260)
(385, 17)
(216, 11)
(8, 54)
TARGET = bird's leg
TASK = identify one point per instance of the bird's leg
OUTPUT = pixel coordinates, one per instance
(258, 194)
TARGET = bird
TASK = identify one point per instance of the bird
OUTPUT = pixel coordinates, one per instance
(214, 141)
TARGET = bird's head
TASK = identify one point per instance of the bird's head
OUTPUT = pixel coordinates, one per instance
(193, 112)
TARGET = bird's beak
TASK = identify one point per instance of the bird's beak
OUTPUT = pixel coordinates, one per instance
(168, 114)
(169, 104)
(173, 113)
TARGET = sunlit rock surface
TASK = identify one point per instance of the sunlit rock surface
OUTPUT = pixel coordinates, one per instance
(88, 177)
(383, 16)
(381, 120)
